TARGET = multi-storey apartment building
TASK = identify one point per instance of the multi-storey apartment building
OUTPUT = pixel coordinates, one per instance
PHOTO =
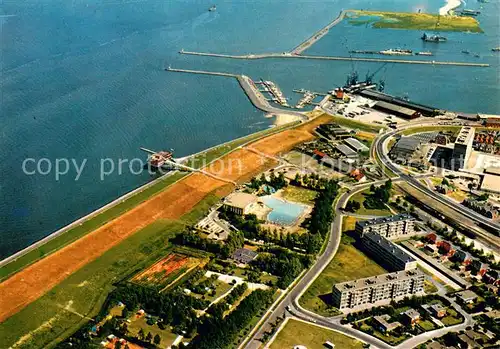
(386, 253)
(389, 227)
(370, 290)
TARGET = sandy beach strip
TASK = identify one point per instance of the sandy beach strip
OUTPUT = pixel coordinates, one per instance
(450, 5)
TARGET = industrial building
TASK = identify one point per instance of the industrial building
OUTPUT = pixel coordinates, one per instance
(386, 253)
(463, 146)
(379, 96)
(350, 294)
(404, 148)
(388, 227)
(346, 151)
(491, 183)
(356, 145)
(396, 110)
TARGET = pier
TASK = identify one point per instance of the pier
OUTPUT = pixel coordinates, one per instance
(338, 58)
(250, 89)
(318, 35)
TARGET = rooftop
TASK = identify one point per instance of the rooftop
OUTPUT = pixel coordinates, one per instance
(467, 294)
(244, 255)
(465, 136)
(383, 320)
(385, 220)
(395, 108)
(240, 200)
(389, 247)
(491, 183)
(344, 149)
(355, 144)
(378, 280)
(412, 313)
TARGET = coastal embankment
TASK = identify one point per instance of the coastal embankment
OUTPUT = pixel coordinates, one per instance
(178, 199)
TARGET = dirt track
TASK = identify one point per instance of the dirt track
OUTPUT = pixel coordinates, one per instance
(35, 280)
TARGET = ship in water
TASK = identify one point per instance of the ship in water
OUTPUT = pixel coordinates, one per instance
(212, 8)
(424, 53)
(467, 12)
(496, 49)
(396, 52)
(157, 160)
(466, 52)
(433, 38)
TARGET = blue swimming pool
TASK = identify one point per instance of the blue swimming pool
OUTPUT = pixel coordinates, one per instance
(283, 212)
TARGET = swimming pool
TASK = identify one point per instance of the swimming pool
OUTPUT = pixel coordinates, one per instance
(283, 212)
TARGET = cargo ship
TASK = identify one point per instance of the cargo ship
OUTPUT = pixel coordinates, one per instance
(157, 160)
(396, 52)
(496, 49)
(212, 8)
(433, 38)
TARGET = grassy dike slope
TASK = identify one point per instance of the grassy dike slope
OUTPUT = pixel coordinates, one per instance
(415, 21)
(66, 307)
(51, 298)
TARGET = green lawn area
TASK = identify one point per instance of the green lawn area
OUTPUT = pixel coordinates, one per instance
(452, 318)
(312, 337)
(423, 129)
(357, 125)
(348, 264)
(219, 286)
(415, 21)
(361, 197)
(429, 287)
(427, 325)
(136, 323)
(300, 195)
(61, 311)
(348, 223)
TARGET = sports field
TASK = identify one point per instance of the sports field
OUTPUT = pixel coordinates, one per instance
(172, 203)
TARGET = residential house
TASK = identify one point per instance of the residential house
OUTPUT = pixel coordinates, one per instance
(411, 316)
(383, 324)
(466, 296)
(437, 310)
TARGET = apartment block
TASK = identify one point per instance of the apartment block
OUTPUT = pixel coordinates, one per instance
(386, 253)
(389, 227)
(347, 295)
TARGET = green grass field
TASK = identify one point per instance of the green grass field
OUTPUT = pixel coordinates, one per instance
(423, 129)
(348, 264)
(357, 125)
(135, 325)
(61, 311)
(361, 197)
(312, 337)
(414, 21)
(300, 195)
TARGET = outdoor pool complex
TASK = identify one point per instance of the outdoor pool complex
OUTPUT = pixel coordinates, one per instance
(283, 212)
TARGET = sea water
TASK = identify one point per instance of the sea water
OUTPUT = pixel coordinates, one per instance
(85, 80)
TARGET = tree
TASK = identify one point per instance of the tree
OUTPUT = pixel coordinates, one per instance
(149, 337)
(157, 339)
(141, 334)
(118, 345)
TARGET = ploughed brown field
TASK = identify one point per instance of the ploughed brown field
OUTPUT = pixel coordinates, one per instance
(35, 280)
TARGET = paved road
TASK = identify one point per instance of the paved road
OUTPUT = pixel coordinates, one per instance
(378, 149)
(322, 261)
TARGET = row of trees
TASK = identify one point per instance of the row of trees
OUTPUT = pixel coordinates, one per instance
(192, 239)
(277, 182)
(310, 181)
(219, 332)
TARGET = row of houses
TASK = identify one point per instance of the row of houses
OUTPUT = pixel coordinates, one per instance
(445, 248)
(389, 227)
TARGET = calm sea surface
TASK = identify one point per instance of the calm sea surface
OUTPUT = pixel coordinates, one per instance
(85, 80)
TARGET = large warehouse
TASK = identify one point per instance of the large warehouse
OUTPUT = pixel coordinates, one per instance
(396, 110)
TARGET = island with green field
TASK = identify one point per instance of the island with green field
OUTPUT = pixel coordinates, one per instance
(413, 21)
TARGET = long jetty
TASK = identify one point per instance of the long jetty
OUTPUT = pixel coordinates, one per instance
(252, 92)
(318, 35)
(335, 58)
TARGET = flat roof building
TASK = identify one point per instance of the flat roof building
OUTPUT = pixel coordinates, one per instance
(463, 146)
(244, 256)
(240, 203)
(386, 253)
(346, 151)
(383, 323)
(389, 227)
(396, 110)
(370, 290)
(405, 147)
(491, 183)
(356, 145)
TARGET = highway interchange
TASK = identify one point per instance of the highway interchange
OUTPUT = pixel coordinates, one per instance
(289, 305)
